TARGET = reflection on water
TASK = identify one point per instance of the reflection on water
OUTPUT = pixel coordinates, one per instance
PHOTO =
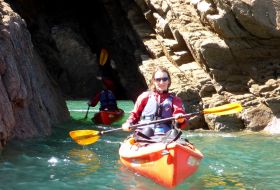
(87, 160)
(136, 181)
(222, 182)
(231, 161)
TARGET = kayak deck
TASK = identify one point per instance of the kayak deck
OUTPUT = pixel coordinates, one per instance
(107, 117)
(166, 164)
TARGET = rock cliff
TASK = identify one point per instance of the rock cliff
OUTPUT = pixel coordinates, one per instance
(30, 103)
(218, 51)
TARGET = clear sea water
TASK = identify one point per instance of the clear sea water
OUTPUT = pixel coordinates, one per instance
(232, 160)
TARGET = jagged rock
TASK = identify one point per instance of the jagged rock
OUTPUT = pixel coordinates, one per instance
(257, 118)
(235, 44)
(77, 62)
(217, 52)
(274, 104)
(30, 102)
(229, 123)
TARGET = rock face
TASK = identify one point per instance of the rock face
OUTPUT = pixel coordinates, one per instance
(30, 102)
(69, 35)
(217, 52)
(221, 51)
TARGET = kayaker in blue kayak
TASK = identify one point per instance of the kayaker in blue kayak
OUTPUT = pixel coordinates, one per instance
(106, 97)
(157, 103)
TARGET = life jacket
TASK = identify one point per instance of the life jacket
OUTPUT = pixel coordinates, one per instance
(154, 110)
(107, 100)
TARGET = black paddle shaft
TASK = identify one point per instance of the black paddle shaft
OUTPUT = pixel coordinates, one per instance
(162, 120)
(87, 112)
(151, 122)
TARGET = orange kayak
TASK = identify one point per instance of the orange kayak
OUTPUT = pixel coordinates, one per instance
(107, 117)
(166, 164)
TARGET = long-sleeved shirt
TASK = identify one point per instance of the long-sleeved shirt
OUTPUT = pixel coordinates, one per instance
(107, 100)
(142, 100)
(94, 100)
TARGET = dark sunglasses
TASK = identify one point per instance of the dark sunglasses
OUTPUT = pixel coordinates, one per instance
(163, 79)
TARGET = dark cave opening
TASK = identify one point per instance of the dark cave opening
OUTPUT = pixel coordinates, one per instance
(92, 28)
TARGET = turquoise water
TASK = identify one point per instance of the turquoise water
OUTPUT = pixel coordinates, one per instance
(232, 160)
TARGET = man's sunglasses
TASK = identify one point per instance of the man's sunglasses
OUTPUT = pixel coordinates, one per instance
(163, 79)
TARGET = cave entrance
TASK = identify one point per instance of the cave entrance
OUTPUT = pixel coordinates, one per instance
(68, 36)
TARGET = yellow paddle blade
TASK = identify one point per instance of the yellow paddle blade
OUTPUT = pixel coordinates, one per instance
(224, 109)
(85, 137)
(103, 56)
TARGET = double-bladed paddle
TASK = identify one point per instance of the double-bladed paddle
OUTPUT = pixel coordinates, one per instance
(86, 137)
(102, 60)
(87, 113)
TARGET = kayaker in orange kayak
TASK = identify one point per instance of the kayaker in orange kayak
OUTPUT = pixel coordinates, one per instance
(106, 97)
(157, 103)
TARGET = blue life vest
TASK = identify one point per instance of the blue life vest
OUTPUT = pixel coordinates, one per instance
(154, 110)
(107, 100)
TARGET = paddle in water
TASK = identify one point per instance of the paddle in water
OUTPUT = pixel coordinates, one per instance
(86, 116)
(86, 137)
